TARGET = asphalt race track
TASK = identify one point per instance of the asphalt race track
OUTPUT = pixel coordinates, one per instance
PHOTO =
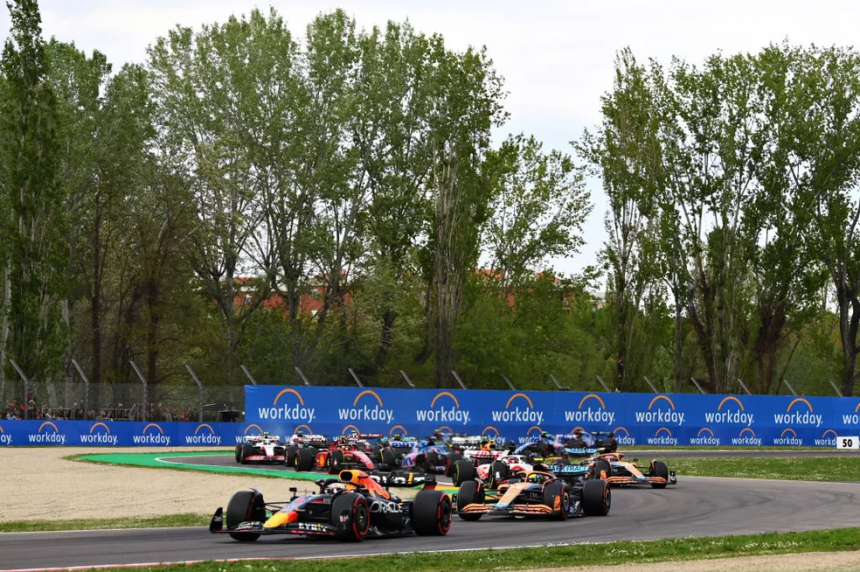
(697, 506)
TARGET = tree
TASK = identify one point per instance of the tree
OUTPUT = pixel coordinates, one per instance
(35, 229)
(464, 107)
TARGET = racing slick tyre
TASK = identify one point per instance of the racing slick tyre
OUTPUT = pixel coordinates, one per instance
(247, 451)
(245, 506)
(290, 456)
(659, 469)
(463, 471)
(357, 512)
(599, 469)
(471, 492)
(431, 460)
(499, 471)
(452, 458)
(596, 497)
(334, 461)
(238, 453)
(431, 513)
(304, 460)
(557, 492)
(376, 454)
(387, 458)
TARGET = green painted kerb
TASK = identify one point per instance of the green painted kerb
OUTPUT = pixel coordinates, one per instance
(167, 461)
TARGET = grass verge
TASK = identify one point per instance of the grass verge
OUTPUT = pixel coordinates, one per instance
(556, 557)
(172, 521)
(783, 468)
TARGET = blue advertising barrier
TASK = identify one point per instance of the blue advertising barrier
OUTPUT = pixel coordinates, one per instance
(636, 418)
(119, 434)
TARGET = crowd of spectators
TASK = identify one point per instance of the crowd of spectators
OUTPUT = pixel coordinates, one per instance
(153, 412)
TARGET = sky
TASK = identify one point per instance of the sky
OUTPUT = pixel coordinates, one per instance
(556, 56)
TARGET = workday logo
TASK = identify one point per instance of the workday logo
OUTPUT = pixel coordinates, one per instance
(788, 437)
(371, 409)
(852, 419)
(444, 408)
(5, 439)
(729, 411)
(656, 412)
(99, 434)
(516, 414)
(747, 437)
(152, 434)
(663, 436)
(799, 412)
(48, 434)
(492, 433)
(204, 434)
(705, 436)
(590, 415)
(624, 439)
(828, 439)
(292, 409)
(533, 435)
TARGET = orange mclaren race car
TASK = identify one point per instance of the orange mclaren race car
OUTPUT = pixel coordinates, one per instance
(351, 507)
(616, 471)
(535, 494)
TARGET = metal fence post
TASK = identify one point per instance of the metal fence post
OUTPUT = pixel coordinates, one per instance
(603, 383)
(303, 376)
(460, 381)
(836, 389)
(508, 381)
(788, 385)
(248, 375)
(86, 388)
(696, 383)
(143, 381)
(406, 377)
(747, 389)
(355, 377)
(26, 383)
(653, 387)
(557, 384)
(199, 393)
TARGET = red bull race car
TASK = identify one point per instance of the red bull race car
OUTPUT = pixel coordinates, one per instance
(261, 449)
(351, 507)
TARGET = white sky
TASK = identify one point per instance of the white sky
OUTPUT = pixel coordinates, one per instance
(556, 57)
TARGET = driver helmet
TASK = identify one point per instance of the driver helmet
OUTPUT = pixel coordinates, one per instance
(383, 440)
(545, 435)
(299, 432)
(397, 436)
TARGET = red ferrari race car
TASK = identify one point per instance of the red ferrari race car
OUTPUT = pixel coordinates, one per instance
(342, 452)
(350, 507)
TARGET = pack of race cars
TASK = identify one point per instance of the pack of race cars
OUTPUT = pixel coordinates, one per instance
(554, 477)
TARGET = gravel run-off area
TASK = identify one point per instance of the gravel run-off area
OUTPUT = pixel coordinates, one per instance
(40, 484)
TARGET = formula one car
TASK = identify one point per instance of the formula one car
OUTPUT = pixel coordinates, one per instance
(350, 507)
(261, 449)
(299, 440)
(535, 494)
(616, 471)
(340, 453)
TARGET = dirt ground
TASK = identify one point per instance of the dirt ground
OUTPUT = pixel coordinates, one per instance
(74, 490)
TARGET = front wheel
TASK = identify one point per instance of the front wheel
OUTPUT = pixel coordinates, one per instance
(659, 469)
(596, 498)
(245, 506)
(351, 514)
(431, 513)
(557, 497)
(304, 460)
(471, 492)
(463, 471)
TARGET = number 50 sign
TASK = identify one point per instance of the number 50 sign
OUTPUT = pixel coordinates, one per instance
(848, 442)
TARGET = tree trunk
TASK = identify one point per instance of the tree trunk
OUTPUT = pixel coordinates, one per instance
(772, 321)
(679, 347)
(4, 332)
(386, 340)
(849, 318)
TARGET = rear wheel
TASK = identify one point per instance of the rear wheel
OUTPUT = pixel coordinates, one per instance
(659, 469)
(357, 517)
(599, 469)
(245, 506)
(557, 497)
(247, 451)
(238, 453)
(334, 461)
(499, 471)
(596, 498)
(388, 459)
(452, 458)
(431, 461)
(471, 492)
(463, 471)
(290, 456)
(431, 513)
(304, 460)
